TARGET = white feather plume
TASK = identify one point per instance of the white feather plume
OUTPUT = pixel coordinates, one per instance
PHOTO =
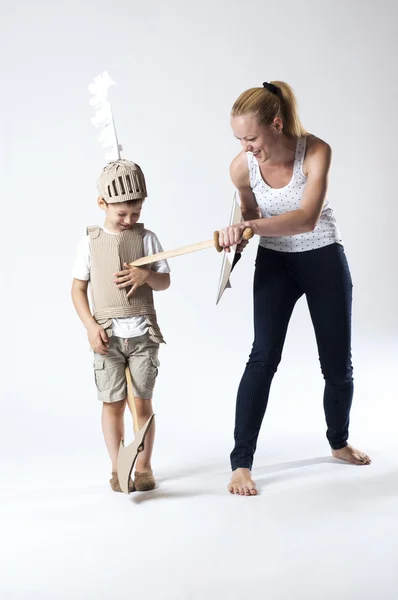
(103, 118)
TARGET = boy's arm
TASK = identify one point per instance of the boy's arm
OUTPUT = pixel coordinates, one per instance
(96, 334)
(157, 276)
(137, 276)
(80, 302)
(158, 281)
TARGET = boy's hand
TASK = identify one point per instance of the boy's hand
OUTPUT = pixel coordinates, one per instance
(98, 339)
(131, 276)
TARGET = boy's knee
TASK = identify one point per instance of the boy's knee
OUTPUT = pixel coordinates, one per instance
(115, 408)
(143, 407)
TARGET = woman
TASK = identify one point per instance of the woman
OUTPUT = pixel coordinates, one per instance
(281, 175)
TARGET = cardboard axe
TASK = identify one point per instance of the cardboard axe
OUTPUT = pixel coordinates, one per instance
(128, 454)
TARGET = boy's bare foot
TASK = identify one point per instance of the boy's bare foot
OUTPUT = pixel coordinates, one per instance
(351, 455)
(242, 483)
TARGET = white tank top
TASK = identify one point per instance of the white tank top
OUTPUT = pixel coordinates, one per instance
(273, 202)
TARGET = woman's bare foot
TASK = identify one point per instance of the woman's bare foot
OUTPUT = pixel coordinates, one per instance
(351, 455)
(242, 483)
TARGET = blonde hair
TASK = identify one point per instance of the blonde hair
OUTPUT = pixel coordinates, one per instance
(266, 105)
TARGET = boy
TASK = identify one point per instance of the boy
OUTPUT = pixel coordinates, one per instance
(122, 327)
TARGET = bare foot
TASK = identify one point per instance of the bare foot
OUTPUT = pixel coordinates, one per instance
(242, 483)
(351, 455)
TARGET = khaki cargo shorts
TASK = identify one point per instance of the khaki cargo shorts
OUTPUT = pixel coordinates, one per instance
(141, 353)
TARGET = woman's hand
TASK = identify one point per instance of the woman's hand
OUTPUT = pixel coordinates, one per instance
(241, 246)
(131, 276)
(98, 338)
(233, 235)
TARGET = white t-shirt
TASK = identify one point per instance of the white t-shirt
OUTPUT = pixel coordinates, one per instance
(126, 327)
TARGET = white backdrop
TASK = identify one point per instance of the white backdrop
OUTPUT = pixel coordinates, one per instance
(179, 66)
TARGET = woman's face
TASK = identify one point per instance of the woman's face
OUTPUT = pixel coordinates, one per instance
(254, 137)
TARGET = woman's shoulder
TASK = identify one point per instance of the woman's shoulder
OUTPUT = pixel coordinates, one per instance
(239, 170)
(316, 146)
(318, 155)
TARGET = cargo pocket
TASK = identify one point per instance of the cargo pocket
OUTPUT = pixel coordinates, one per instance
(101, 375)
(155, 363)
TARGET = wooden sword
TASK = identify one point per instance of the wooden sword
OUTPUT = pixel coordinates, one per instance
(145, 260)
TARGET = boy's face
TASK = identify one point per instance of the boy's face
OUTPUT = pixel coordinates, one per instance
(121, 215)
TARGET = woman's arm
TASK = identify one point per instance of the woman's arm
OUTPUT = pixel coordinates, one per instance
(240, 178)
(305, 218)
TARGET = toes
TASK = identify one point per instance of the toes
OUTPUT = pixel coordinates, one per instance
(363, 459)
(244, 489)
(353, 456)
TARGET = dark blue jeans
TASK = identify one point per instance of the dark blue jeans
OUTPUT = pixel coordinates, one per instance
(280, 279)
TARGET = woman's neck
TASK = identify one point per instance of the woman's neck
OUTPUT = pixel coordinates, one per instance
(282, 152)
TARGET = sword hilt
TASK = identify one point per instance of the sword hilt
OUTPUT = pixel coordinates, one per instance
(246, 235)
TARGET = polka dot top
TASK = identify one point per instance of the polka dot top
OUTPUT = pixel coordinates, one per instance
(272, 201)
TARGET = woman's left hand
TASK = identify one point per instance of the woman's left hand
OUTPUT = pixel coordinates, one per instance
(232, 235)
(131, 276)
